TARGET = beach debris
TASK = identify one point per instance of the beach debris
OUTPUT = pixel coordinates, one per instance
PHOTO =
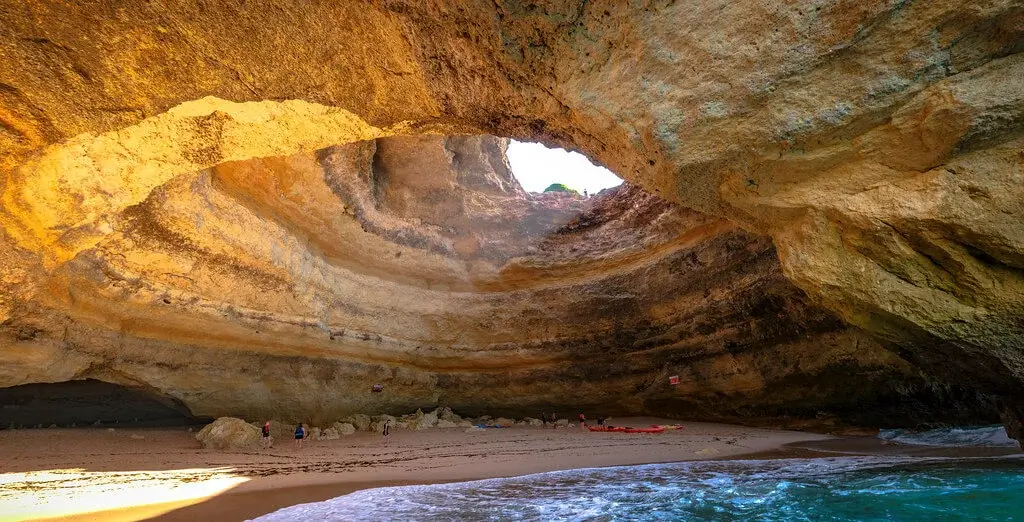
(229, 433)
(136, 436)
(377, 388)
(474, 429)
(706, 452)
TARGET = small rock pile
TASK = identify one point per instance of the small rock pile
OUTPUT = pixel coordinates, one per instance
(232, 433)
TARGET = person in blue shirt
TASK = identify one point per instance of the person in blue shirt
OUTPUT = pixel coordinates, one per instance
(300, 433)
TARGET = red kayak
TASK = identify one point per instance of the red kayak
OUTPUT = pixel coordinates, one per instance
(657, 429)
(619, 429)
(627, 429)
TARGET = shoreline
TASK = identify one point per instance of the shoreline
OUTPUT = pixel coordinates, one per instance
(162, 464)
(224, 506)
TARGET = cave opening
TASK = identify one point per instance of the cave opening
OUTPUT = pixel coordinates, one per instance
(539, 168)
(90, 402)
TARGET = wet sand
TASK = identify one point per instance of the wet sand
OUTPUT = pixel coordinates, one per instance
(163, 474)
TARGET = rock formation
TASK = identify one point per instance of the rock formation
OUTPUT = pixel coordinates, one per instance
(287, 287)
(878, 144)
(229, 433)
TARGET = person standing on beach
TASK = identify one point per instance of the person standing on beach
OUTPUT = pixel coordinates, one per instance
(583, 422)
(554, 420)
(544, 418)
(267, 442)
(300, 433)
(385, 432)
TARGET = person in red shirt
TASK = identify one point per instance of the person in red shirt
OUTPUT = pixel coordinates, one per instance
(267, 441)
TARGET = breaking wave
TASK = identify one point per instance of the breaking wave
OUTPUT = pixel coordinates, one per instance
(990, 436)
(844, 488)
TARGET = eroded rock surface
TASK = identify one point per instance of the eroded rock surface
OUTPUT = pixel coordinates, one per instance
(877, 142)
(229, 433)
(287, 287)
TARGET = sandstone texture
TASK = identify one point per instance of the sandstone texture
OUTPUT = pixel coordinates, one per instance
(229, 433)
(167, 191)
(287, 287)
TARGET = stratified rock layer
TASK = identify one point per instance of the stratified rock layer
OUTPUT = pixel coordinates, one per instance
(877, 142)
(287, 287)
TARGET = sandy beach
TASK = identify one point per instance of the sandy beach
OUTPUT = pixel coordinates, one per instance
(164, 474)
(135, 474)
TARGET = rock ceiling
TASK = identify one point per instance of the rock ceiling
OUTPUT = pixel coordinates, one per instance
(862, 160)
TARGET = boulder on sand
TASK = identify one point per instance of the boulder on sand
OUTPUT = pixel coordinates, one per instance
(447, 414)
(281, 430)
(378, 425)
(330, 434)
(344, 428)
(427, 420)
(361, 421)
(229, 433)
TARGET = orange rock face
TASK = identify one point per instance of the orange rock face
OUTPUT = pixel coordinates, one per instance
(288, 287)
(876, 143)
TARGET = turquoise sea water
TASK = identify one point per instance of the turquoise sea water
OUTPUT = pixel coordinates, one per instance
(842, 488)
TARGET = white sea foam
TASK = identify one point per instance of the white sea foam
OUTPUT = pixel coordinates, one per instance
(990, 436)
(840, 488)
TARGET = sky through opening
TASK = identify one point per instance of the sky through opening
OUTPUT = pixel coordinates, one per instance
(536, 167)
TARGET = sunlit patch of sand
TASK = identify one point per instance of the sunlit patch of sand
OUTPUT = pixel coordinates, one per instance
(69, 492)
